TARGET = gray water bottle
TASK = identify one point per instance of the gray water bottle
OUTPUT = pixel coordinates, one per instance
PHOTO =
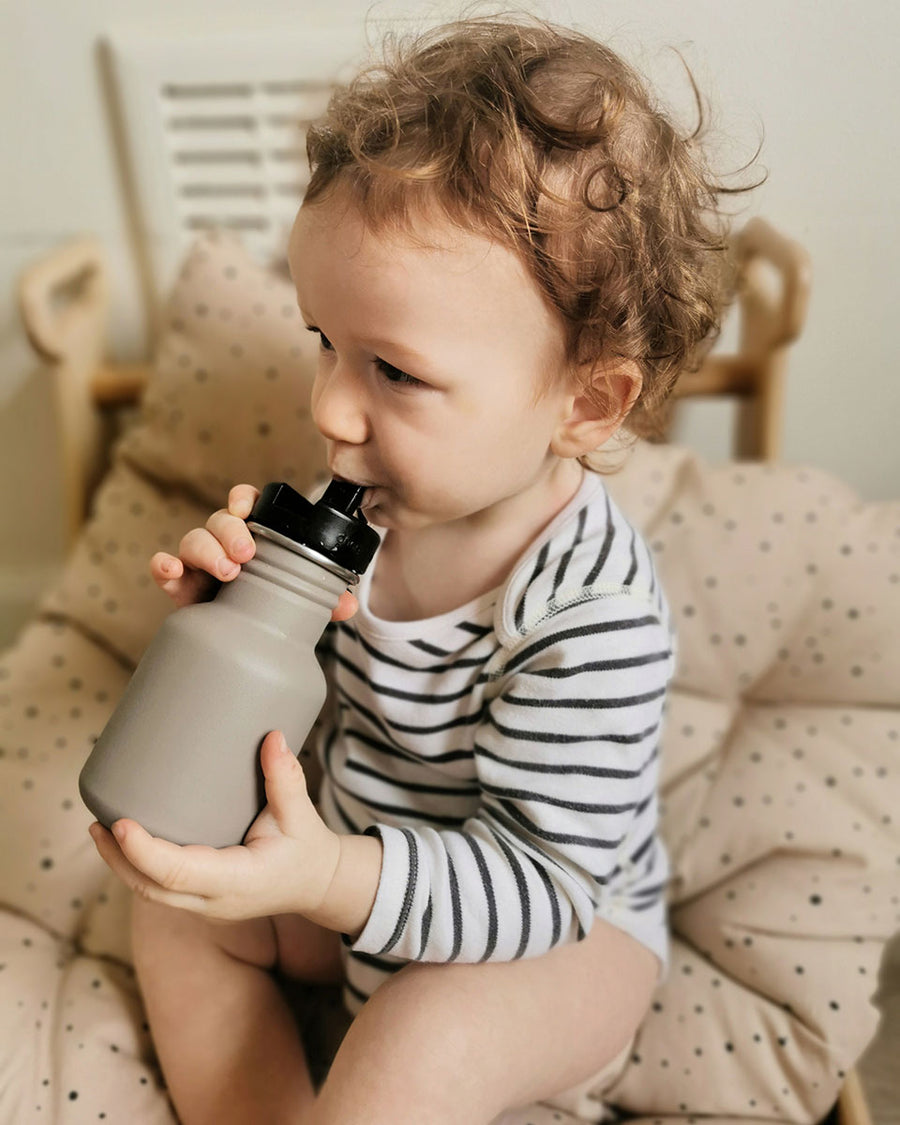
(180, 754)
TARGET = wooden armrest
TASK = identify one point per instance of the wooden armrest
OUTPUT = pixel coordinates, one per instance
(64, 301)
(64, 304)
(719, 375)
(769, 323)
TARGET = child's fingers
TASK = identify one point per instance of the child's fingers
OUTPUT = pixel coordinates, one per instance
(164, 567)
(196, 871)
(135, 879)
(234, 540)
(201, 550)
(184, 586)
(207, 553)
(241, 500)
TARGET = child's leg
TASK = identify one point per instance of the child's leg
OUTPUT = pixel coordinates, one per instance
(226, 1039)
(458, 1044)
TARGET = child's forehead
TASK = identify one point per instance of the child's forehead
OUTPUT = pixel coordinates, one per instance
(416, 279)
(435, 253)
(415, 218)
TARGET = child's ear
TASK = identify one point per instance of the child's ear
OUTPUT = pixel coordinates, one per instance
(602, 397)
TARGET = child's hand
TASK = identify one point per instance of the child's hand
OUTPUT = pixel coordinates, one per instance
(214, 553)
(285, 865)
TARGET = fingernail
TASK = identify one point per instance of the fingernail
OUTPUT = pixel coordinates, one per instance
(282, 743)
(226, 567)
(118, 830)
(242, 546)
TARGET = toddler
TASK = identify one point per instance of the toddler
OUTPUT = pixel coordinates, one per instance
(505, 250)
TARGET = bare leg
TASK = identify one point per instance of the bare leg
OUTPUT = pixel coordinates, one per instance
(226, 1039)
(459, 1044)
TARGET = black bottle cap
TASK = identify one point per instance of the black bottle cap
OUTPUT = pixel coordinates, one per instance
(333, 527)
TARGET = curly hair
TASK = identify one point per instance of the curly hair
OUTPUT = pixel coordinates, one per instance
(545, 139)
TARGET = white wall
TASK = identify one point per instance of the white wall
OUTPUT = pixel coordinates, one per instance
(817, 82)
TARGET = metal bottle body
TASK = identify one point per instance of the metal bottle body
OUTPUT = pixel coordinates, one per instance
(180, 754)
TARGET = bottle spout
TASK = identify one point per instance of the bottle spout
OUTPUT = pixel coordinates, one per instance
(343, 496)
(333, 527)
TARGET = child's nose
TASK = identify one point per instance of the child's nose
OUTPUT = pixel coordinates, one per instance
(338, 407)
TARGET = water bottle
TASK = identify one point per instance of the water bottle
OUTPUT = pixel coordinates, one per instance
(180, 754)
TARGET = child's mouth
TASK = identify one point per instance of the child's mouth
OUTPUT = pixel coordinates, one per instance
(350, 480)
(369, 499)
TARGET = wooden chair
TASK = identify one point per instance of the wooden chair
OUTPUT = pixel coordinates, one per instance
(65, 304)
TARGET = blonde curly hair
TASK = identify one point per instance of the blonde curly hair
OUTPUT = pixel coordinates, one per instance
(545, 139)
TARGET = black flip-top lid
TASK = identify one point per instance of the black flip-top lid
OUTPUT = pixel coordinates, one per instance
(333, 527)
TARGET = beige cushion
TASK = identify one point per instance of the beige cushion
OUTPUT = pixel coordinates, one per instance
(779, 782)
(230, 399)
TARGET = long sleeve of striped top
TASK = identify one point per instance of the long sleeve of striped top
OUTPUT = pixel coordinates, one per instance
(507, 754)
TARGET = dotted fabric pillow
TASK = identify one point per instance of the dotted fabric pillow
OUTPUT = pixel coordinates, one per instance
(229, 399)
(106, 588)
(779, 784)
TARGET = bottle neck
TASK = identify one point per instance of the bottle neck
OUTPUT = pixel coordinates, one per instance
(290, 592)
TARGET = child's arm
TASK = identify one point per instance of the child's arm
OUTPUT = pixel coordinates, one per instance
(567, 755)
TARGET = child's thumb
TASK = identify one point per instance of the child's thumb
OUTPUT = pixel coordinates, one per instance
(285, 782)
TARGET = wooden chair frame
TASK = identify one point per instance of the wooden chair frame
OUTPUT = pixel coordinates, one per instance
(64, 300)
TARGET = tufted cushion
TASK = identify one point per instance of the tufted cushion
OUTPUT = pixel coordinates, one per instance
(779, 781)
(780, 774)
(229, 401)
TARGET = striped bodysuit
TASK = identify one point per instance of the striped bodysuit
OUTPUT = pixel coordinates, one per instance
(507, 755)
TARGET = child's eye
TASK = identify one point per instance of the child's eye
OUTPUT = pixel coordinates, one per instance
(323, 339)
(395, 375)
(391, 373)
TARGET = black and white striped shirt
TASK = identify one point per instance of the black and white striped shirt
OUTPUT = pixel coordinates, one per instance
(507, 754)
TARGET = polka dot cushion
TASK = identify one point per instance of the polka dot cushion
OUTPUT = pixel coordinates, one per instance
(781, 777)
(73, 1038)
(58, 688)
(106, 588)
(780, 746)
(229, 401)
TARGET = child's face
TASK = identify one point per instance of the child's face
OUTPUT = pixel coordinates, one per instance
(431, 365)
